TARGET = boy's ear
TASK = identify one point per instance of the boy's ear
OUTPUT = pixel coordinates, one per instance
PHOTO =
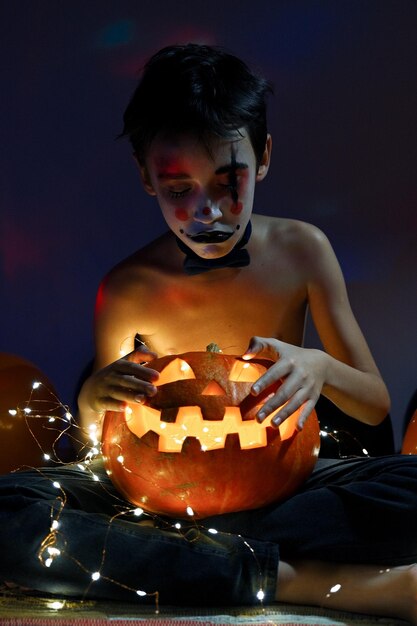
(266, 158)
(144, 176)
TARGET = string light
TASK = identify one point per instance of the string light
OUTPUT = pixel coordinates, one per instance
(56, 605)
(260, 595)
(50, 551)
(334, 589)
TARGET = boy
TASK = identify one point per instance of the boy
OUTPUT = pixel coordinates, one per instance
(222, 274)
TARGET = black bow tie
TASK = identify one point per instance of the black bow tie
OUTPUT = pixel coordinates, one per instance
(194, 264)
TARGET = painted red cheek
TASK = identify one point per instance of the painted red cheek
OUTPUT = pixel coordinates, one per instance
(181, 214)
(237, 208)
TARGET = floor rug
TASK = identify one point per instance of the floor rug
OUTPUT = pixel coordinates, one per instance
(38, 611)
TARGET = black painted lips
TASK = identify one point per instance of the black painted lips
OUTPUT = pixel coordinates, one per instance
(214, 236)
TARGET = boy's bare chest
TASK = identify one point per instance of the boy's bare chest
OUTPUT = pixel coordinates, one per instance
(188, 315)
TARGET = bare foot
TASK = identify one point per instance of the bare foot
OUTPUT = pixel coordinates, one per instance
(371, 589)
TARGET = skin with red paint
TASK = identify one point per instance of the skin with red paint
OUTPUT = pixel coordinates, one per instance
(181, 215)
(237, 208)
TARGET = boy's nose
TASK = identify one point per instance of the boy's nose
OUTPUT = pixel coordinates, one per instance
(207, 214)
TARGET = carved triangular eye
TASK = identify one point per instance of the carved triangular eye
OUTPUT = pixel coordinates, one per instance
(177, 369)
(245, 372)
(213, 389)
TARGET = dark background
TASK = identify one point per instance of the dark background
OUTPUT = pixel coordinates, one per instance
(343, 120)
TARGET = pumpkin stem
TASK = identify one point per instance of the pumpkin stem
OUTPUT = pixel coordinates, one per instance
(213, 347)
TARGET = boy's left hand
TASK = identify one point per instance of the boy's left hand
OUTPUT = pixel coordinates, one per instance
(302, 372)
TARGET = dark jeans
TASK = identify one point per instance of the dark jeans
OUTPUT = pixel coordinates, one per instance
(358, 511)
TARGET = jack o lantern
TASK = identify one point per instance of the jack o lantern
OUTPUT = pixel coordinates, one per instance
(196, 445)
(25, 414)
(409, 445)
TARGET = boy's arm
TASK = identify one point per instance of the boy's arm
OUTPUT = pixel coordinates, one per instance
(116, 379)
(345, 371)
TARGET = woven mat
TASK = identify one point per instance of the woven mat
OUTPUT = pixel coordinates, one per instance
(37, 611)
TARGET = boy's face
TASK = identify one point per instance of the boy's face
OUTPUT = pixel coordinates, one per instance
(206, 196)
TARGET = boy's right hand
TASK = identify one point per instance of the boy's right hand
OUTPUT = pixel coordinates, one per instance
(125, 380)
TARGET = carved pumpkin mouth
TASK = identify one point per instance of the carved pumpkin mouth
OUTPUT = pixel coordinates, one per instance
(211, 433)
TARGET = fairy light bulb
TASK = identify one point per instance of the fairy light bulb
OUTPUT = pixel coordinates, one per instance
(36, 384)
(260, 594)
(27, 410)
(53, 551)
(138, 512)
(189, 511)
(141, 593)
(12, 412)
(56, 605)
(95, 576)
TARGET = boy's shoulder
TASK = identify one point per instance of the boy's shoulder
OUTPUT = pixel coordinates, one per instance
(161, 255)
(288, 233)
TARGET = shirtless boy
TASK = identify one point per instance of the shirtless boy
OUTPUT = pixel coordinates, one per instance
(224, 274)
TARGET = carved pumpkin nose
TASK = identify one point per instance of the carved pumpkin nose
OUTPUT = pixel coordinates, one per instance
(213, 389)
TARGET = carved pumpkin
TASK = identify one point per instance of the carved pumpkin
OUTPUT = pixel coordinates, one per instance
(196, 445)
(410, 438)
(24, 436)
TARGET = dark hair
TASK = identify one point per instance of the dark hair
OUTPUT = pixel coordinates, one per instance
(199, 89)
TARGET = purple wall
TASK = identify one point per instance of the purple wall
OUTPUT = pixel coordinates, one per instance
(345, 144)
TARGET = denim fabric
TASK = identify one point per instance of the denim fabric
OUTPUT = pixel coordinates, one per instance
(186, 566)
(358, 510)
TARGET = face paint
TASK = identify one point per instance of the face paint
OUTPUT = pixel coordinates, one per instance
(237, 208)
(233, 179)
(181, 214)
